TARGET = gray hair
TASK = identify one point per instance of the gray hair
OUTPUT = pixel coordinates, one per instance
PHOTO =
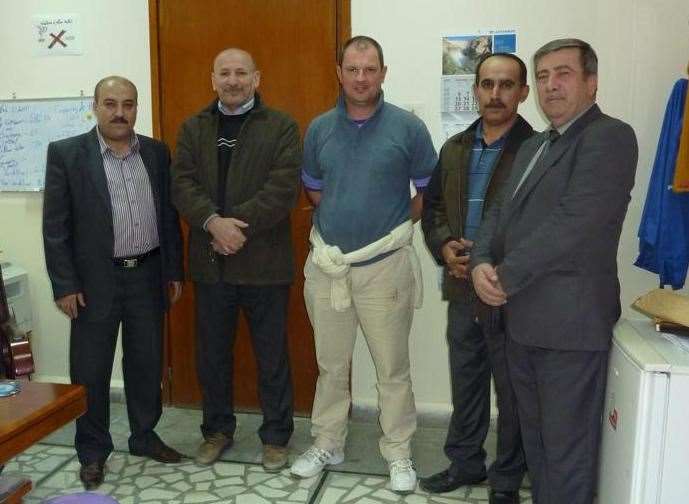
(589, 60)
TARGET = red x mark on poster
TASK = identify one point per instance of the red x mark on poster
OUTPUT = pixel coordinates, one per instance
(57, 39)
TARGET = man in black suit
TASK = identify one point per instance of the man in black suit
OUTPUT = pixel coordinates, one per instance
(548, 256)
(113, 253)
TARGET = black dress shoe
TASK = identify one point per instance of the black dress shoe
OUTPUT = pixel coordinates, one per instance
(160, 452)
(504, 497)
(445, 481)
(91, 475)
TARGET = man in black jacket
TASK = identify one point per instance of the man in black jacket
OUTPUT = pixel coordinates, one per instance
(113, 251)
(473, 166)
(235, 181)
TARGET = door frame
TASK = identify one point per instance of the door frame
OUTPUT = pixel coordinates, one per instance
(343, 30)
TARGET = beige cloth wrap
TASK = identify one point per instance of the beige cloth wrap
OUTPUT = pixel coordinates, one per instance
(335, 264)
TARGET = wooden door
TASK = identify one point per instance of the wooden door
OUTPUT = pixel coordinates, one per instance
(294, 43)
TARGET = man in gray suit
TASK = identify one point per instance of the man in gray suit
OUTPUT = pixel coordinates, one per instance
(547, 255)
(113, 251)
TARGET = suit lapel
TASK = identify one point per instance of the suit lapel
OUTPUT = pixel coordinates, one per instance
(555, 152)
(94, 167)
(521, 162)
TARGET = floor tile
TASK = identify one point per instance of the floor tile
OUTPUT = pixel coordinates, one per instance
(136, 480)
(343, 488)
(239, 478)
(39, 461)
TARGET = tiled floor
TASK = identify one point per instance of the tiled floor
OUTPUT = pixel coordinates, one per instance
(239, 478)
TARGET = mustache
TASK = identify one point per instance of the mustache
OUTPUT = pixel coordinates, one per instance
(120, 120)
(496, 105)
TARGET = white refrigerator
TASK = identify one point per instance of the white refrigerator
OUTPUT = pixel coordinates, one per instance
(645, 441)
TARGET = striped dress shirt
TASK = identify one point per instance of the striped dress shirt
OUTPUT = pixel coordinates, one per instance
(133, 209)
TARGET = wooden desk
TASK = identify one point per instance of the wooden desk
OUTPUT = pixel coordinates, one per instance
(38, 410)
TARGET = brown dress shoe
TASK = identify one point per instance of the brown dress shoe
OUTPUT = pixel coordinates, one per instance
(160, 452)
(274, 457)
(92, 474)
(212, 447)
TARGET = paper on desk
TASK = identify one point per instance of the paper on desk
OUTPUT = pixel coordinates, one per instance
(665, 305)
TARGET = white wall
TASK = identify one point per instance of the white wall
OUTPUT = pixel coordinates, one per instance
(643, 48)
(115, 41)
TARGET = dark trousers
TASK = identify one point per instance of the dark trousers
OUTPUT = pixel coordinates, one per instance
(560, 396)
(473, 356)
(138, 306)
(217, 310)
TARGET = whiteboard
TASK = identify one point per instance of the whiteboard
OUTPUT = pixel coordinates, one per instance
(26, 129)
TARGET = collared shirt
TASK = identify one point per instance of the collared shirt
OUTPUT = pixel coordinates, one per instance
(481, 166)
(242, 109)
(541, 151)
(561, 130)
(363, 172)
(133, 209)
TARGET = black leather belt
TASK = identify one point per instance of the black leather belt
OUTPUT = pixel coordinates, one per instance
(135, 261)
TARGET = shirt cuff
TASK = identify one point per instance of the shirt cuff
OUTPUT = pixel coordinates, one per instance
(311, 183)
(205, 223)
(421, 183)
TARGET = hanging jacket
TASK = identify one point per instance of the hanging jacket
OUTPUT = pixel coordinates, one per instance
(680, 182)
(664, 229)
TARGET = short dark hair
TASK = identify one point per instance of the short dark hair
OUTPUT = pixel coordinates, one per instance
(589, 60)
(513, 57)
(361, 42)
(116, 78)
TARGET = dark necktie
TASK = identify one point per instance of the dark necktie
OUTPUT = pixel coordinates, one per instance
(553, 135)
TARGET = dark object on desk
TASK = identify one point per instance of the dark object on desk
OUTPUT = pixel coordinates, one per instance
(16, 359)
(4, 308)
(16, 353)
(670, 327)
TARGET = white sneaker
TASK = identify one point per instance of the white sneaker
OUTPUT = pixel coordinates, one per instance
(313, 460)
(402, 476)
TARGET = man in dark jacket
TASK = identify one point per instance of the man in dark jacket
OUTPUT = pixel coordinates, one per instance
(472, 167)
(235, 180)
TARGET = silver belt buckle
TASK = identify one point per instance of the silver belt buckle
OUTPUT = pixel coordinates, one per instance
(130, 263)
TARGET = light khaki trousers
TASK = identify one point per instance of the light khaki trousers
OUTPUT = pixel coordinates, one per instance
(383, 304)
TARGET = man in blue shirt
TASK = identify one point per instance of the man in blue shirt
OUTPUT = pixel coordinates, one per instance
(473, 166)
(359, 160)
